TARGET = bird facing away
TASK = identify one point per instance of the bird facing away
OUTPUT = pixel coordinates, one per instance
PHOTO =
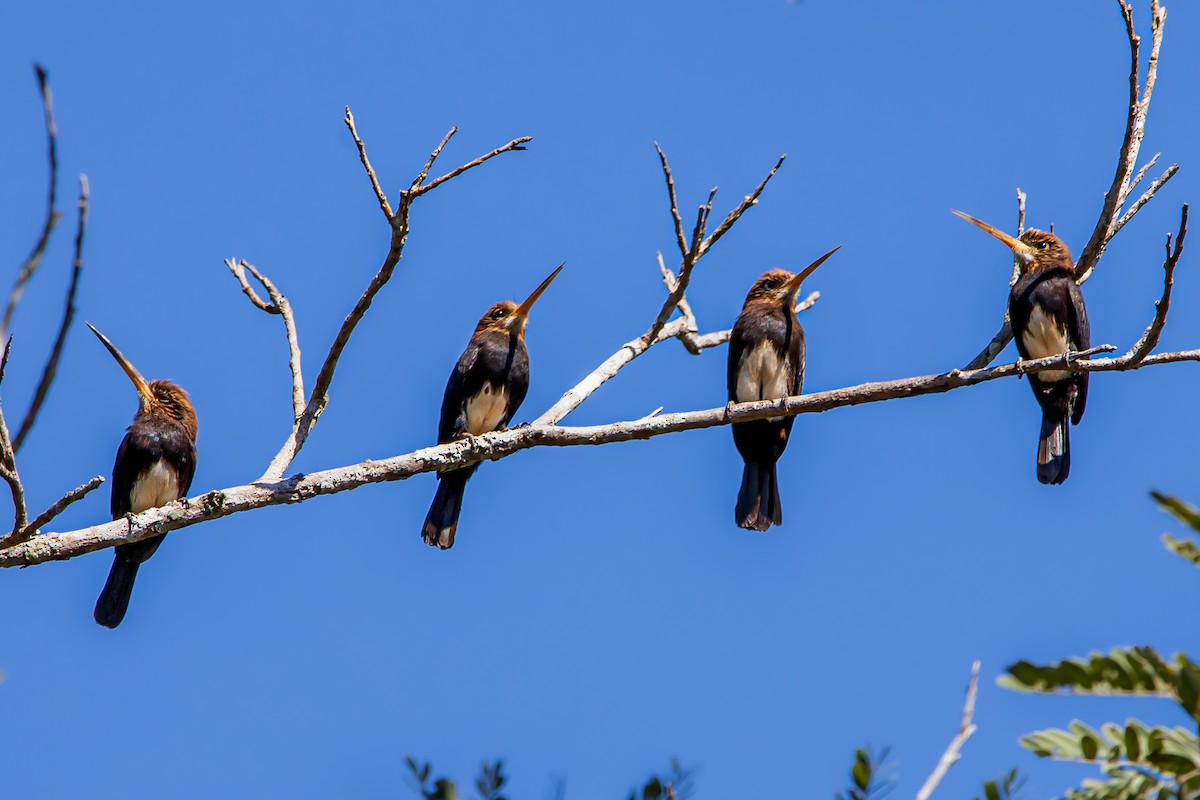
(485, 389)
(1045, 308)
(766, 362)
(155, 464)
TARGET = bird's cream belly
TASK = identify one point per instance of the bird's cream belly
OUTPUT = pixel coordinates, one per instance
(486, 409)
(153, 488)
(1043, 338)
(762, 375)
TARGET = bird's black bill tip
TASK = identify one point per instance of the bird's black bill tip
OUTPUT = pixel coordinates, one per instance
(523, 309)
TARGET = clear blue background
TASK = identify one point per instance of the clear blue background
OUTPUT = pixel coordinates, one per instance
(600, 612)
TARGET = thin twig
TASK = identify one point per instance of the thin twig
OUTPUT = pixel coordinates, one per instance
(278, 305)
(52, 215)
(8, 459)
(437, 151)
(515, 144)
(51, 368)
(965, 729)
(742, 207)
(380, 195)
(1016, 270)
(1141, 173)
(58, 507)
(681, 240)
(1150, 338)
(1153, 188)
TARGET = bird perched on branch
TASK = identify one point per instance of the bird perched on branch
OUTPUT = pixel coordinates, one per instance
(1048, 318)
(766, 362)
(155, 464)
(485, 389)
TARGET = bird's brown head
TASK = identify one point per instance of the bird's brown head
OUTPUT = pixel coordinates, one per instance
(1034, 249)
(508, 316)
(159, 398)
(780, 286)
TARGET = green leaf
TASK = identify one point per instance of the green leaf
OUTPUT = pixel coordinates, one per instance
(1005, 788)
(1187, 550)
(860, 773)
(1124, 671)
(1183, 512)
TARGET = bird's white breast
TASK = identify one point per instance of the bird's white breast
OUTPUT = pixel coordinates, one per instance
(1043, 337)
(486, 409)
(762, 374)
(153, 488)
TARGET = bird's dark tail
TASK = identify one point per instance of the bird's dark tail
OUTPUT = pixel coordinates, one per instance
(1054, 446)
(442, 520)
(114, 599)
(758, 506)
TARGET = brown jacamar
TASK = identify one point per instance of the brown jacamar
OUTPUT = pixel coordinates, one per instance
(485, 389)
(1048, 318)
(766, 362)
(155, 464)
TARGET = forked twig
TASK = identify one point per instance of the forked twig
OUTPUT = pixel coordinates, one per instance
(31, 263)
(1149, 339)
(51, 368)
(1124, 180)
(280, 306)
(683, 328)
(399, 220)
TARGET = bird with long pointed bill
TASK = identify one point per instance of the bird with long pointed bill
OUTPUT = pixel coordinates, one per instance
(486, 388)
(766, 362)
(155, 464)
(1048, 318)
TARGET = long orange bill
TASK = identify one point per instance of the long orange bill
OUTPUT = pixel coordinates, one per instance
(793, 283)
(1019, 248)
(523, 309)
(139, 383)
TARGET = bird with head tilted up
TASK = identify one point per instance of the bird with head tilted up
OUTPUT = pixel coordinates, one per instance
(766, 362)
(1048, 318)
(155, 464)
(485, 389)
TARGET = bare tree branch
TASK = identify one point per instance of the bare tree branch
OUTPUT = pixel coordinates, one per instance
(1135, 131)
(1154, 186)
(59, 506)
(965, 729)
(8, 459)
(660, 329)
(742, 207)
(51, 368)
(515, 144)
(399, 221)
(497, 445)
(279, 305)
(1150, 338)
(380, 195)
(52, 215)
(1111, 221)
(437, 151)
(678, 220)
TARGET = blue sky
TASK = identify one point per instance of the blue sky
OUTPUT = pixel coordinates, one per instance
(599, 612)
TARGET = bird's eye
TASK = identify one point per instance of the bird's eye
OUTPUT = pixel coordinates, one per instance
(499, 313)
(768, 285)
(1043, 246)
